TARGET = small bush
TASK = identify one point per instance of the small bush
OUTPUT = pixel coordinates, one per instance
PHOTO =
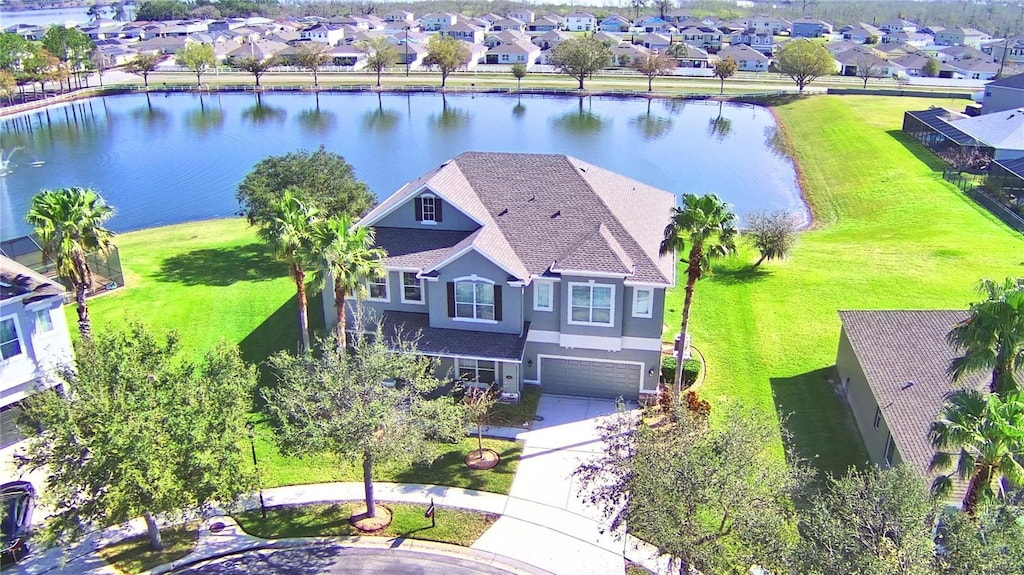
(691, 370)
(697, 405)
(668, 369)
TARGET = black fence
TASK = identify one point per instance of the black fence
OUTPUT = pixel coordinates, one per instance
(970, 187)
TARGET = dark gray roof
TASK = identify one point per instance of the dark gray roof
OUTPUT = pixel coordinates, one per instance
(1011, 82)
(1015, 167)
(16, 280)
(904, 356)
(454, 342)
(417, 248)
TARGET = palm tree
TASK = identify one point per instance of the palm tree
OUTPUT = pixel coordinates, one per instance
(347, 254)
(708, 225)
(289, 233)
(989, 433)
(69, 222)
(992, 338)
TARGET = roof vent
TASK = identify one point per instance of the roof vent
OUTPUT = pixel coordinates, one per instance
(556, 214)
(503, 212)
(908, 385)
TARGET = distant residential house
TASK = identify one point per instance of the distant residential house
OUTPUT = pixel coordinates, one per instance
(853, 62)
(348, 55)
(747, 58)
(609, 38)
(438, 21)
(694, 57)
(505, 37)
(580, 22)
(551, 39)
(465, 32)
(543, 24)
(655, 25)
(34, 339)
(261, 50)
(27, 31)
(770, 25)
(412, 54)
(522, 14)
(324, 33)
(483, 23)
(626, 54)
(1010, 49)
(898, 25)
(957, 53)
(708, 39)
(916, 39)
(656, 42)
(1004, 94)
(894, 50)
(837, 48)
(862, 33)
(160, 45)
(614, 23)
(999, 136)
(976, 69)
(961, 37)
(763, 42)
(364, 23)
(399, 15)
(508, 24)
(892, 372)
(526, 268)
(477, 55)
(913, 64)
(807, 28)
(521, 52)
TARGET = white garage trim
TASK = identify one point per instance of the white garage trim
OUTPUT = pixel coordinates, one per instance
(541, 357)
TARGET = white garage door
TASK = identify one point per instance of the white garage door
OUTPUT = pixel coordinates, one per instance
(590, 378)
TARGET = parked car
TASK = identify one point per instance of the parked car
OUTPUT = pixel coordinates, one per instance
(17, 501)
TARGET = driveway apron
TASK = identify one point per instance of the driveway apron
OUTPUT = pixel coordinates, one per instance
(545, 522)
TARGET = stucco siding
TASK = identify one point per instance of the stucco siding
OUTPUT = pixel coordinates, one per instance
(465, 266)
(543, 320)
(40, 352)
(644, 326)
(862, 402)
(404, 216)
(619, 298)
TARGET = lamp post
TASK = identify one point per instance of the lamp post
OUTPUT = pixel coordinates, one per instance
(252, 444)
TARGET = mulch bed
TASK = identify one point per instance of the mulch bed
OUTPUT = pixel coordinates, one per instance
(482, 459)
(366, 524)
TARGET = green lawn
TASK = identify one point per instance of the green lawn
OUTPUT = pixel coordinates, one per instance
(134, 555)
(889, 234)
(454, 526)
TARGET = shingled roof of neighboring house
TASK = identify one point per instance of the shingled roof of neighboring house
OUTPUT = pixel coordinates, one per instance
(17, 280)
(538, 209)
(904, 356)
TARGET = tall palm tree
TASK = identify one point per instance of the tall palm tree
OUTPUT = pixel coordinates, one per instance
(69, 222)
(989, 433)
(992, 338)
(347, 254)
(708, 226)
(289, 230)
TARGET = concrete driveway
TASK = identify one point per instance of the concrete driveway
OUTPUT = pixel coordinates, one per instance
(552, 528)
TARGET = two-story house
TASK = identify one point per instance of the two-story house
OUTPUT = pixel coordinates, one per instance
(465, 32)
(808, 28)
(522, 14)
(518, 52)
(526, 268)
(324, 33)
(961, 37)
(580, 22)
(763, 42)
(34, 339)
(438, 21)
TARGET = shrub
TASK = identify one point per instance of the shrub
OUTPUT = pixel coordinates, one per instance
(691, 370)
(668, 369)
(697, 405)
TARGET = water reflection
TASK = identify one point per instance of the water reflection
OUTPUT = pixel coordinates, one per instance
(451, 117)
(775, 143)
(651, 127)
(262, 113)
(208, 118)
(519, 109)
(379, 119)
(719, 127)
(152, 116)
(580, 121)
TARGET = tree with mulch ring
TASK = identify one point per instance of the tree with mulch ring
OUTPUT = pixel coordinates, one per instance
(367, 523)
(478, 402)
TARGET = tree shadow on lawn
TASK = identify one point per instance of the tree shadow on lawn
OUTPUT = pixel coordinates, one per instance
(451, 469)
(221, 266)
(279, 332)
(739, 275)
(824, 433)
(922, 153)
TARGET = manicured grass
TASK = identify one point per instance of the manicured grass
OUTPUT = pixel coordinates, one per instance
(889, 234)
(454, 526)
(134, 555)
(517, 414)
(448, 469)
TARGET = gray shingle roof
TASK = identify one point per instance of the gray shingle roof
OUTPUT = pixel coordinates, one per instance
(16, 280)
(454, 342)
(904, 355)
(536, 209)
(417, 248)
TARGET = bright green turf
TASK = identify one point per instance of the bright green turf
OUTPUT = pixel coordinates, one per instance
(889, 234)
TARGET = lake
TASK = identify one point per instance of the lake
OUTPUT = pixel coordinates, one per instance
(58, 16)
(176, 157)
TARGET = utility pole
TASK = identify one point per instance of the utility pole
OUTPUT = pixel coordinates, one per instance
(407, 50)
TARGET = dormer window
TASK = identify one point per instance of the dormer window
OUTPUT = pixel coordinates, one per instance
(428, 209)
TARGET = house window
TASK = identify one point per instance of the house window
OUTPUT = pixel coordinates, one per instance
(878, 418)
(591, 304)
(378, 288)
(543, 296)
(10, 345)
(412, 288)
(428, 209)
(44, 322)
(643, 302)
(890, 450)
(474, 300)
(477, 371)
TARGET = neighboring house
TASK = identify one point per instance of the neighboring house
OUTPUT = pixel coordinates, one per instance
(976, 69)
(465, 32)
(522, 14)
(520, 52)
(770, 25)
(626, 54)
(34, 338)
(915, 39)
(261, 50)
(898, 25)
(1003, 94)
(324, 33)
(551, 39)
(708, 39)
(804, 28)
(693, 58)
(656, 42)
(412, 54)
(505, 37)
(348, 55)
(610, 39)
(763, 42)
(437, 22)
(748, 59)
(996, 135)
(615, 24)
(1009, 49)
(544, 24)
(580, 22)
(399, 15)
(851, 62)
(961, 37)
(526, 268)
(892, 372)
(862, 33)
(913, 63)
(656, 25)
(508, 24)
